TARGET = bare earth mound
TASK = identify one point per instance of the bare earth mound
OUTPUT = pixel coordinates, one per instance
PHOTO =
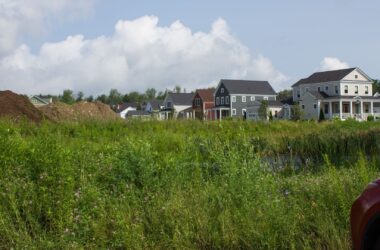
(18, 107)
(80, 111)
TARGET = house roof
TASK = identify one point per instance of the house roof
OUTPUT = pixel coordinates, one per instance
(182, 98)
(272, 103)
(325, 76)
(248, 87)
(320, 95)
(138, 113)
(41, 99)
(156, 104)
(207, 95)
(123, 106)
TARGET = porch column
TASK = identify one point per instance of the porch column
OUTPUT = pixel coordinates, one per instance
(351, 107)
(330, 110)
(340, 109)
(371, 108)
(361, 109)
(220, 114)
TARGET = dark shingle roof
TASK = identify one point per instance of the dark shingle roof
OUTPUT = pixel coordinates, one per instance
(138, 113)
(182, 98)
(248, 87)
(123, 106)
(319, 94)
(326, 76)
(272, 103)
(156, 104)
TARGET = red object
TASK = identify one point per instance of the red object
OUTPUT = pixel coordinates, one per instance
(365, 218)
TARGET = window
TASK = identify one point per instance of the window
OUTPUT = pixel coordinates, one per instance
(222, 90)
(252, 98)
(326, 108)
(233, 98)
(327, 88)
(265, 97)
(243, 111)
(315, 106)
(356, 76)
(243, 99)
(234, 112)
(217, 101)
(366, 90)
(336, 90)
(169, 104)
(227, 100)
(346, 89)
(222, 101)
(298, 93)
(275, 113)
(303, 106)
(356, 89)
(319, 89)
(197, 102)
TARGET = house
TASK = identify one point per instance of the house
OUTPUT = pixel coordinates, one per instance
(232, 97)
(344, 93)
(39, 101)
(152, 106)
(203, 103)
(174, 103)
(276, 108)
(138, 114)
(124, 108)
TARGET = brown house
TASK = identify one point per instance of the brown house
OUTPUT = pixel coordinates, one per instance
(203, 103)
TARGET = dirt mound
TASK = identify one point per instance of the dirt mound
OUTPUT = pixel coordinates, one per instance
(80, 111)
(18, 107)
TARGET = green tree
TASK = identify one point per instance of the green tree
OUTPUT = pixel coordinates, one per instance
(102, 98)
(177, 89)
(270, 116)
(296, 113)
(284, 94)
(321, 115)
(133, 96)
(263, 110)
(114, 97)
(80, 96)
(90, 98)
(376, 86)
(150, 93)
(68, 96)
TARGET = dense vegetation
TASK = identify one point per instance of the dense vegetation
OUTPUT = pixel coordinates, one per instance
(137, 185)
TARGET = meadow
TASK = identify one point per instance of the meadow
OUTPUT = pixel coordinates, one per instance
(183, 184)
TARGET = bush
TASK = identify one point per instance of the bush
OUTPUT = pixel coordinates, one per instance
(370, 118)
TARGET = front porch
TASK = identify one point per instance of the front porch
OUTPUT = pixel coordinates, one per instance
(221, 113)
(356, 108)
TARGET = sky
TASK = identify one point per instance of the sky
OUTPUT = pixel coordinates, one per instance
(96, 45)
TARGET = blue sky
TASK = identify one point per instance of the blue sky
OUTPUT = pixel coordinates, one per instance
(278, 40)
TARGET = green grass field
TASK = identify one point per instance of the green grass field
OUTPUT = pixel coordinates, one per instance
(183, 184)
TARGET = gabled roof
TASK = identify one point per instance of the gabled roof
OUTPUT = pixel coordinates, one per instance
(41, 99)
(272, 103)
(248, 87)
(156, 104)
(207, 95)
(320, 95)
(123, 106)
(182, 98)
(325, 76)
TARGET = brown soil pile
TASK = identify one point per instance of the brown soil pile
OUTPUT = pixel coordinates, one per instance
(80, 111)
(18, 107)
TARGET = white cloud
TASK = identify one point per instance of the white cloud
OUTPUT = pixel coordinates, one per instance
(140, 54)
(332, 63)
(32, 17)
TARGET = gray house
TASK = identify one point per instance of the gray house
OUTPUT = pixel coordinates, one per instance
(232, 97)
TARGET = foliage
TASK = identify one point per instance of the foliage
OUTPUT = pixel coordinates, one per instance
(263, 110)
(187, 184)
(68, 96)
(296, 112)
(321, 115)
(370, 118)
(270, 116)
(376, 86)
(284, 94)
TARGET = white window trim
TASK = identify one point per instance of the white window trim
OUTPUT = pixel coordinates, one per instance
(243, 99)
(233, 111)
(227, 100)
(222, 90)
(252, 98)
(217, 101)
(222, 100)
(266, 98)
(233, 98)
(243, 110)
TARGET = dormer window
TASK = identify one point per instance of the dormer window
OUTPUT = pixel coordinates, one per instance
(356, 76)
(222, 90)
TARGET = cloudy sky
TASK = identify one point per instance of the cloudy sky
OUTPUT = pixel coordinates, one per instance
(94, 45)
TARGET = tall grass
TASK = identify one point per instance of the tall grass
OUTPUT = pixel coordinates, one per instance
(180, 184)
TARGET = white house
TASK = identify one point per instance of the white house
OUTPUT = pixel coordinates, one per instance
(277, 108)
(123, 109)
(175, 103)
(341, 93)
